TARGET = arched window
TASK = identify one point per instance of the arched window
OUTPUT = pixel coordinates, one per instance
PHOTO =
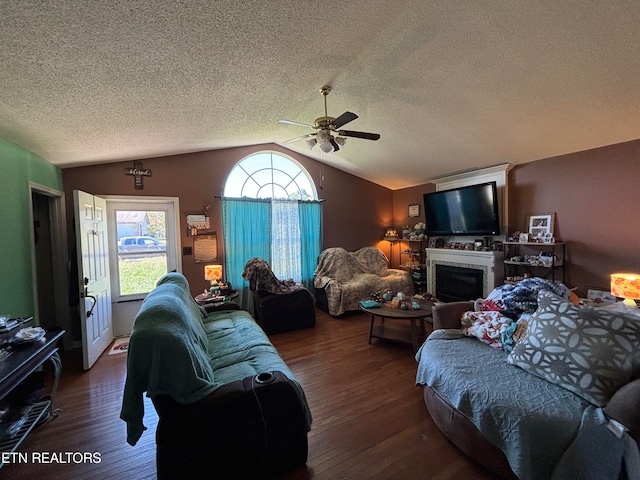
(270, 175)
(270, 210)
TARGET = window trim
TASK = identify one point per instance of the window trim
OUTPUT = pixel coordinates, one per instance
(303, 170)
(174, 246)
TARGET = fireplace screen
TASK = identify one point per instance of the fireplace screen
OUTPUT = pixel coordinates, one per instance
(458, 283)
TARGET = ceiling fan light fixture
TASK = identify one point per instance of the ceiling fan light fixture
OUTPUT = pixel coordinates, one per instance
(322, 137)
(311, 143)
(327, 127)
(326, 147)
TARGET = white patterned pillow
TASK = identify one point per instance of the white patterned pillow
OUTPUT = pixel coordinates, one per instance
(589, 351)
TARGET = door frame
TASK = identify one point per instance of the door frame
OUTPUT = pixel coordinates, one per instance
(124, 311)
(60, 273)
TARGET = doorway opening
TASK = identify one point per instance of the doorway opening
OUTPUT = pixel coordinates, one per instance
(49, 265)
(144, 244)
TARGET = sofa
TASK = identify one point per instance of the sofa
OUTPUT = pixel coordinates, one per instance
(342, 279)
(562, 403)
(228, 405)
(278, 305)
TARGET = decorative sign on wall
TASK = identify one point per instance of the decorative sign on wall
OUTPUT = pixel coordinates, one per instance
(205, 248)
(138, 172)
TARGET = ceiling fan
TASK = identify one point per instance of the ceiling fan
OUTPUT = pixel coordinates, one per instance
(326, 127)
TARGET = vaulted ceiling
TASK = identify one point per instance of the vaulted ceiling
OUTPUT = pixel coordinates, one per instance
(449, 85)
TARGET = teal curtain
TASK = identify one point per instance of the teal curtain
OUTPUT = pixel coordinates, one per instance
(310, 221)
(257, 228)
(247, 233)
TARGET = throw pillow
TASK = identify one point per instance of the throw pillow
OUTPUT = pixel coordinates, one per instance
(589, 351)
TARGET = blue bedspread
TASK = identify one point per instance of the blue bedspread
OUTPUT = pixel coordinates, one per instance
(531, 420)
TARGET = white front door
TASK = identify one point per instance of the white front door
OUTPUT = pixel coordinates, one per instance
(93, 275)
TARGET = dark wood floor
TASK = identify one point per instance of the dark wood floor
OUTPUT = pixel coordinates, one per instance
(369, 419)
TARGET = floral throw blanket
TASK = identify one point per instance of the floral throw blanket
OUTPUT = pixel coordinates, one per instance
(348, 277)
(500, 319)
(260, 277)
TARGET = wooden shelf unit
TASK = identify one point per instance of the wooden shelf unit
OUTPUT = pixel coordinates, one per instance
(413, 260)
(513, 268)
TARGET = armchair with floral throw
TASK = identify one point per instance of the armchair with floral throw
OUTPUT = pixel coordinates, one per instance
(344, 278)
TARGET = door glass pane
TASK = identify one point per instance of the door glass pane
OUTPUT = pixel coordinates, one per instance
(142, 249)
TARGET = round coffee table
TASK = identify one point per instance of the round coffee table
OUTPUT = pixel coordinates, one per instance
(399, 332)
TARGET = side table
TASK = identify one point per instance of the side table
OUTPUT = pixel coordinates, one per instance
(15, 368)
(215, 300)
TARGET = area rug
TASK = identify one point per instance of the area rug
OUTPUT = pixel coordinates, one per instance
(120, 345)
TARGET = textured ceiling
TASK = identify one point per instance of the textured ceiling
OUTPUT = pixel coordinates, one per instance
(449, 85)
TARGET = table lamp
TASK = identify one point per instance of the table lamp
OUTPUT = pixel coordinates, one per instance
(213, 273)
(627, 286)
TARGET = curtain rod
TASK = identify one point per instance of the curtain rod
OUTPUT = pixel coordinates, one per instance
(249, 199)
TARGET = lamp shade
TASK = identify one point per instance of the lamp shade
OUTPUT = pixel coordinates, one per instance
(213, 272)
(391, 235)
(625, 285)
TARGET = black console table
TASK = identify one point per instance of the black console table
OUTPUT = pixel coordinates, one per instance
(14, 369)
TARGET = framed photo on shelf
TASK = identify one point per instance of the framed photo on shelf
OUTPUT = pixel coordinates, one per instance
(540, 226)
(414, 210)
(548, 238)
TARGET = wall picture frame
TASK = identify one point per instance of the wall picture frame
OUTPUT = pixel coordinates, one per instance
(541, 226)
(205, 248)
(414, 210)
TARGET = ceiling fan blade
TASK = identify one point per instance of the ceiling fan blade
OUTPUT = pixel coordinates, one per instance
(343, 119)
(300, 124)
(335, 145)
(365, 135)
(295, 139)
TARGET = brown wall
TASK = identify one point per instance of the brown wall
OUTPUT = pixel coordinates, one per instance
(595, 197)
(401, 201)
(356, 211)
(594, 194)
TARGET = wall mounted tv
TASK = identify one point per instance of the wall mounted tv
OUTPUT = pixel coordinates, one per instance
(471, 210)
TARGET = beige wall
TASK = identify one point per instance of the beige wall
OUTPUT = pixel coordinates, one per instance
(356, 211)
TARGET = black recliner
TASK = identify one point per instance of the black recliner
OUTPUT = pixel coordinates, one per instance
(279, 305)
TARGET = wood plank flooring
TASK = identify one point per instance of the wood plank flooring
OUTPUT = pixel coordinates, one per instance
(369, 418)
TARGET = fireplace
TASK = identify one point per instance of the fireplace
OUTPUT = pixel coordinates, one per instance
(458, 283)
(475, 273)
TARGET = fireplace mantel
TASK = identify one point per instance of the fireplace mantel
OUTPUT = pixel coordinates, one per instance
(489, 262)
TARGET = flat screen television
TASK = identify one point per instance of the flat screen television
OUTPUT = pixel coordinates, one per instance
(471, 210)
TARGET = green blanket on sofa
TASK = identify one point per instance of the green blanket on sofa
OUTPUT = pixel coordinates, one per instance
(179, 350)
